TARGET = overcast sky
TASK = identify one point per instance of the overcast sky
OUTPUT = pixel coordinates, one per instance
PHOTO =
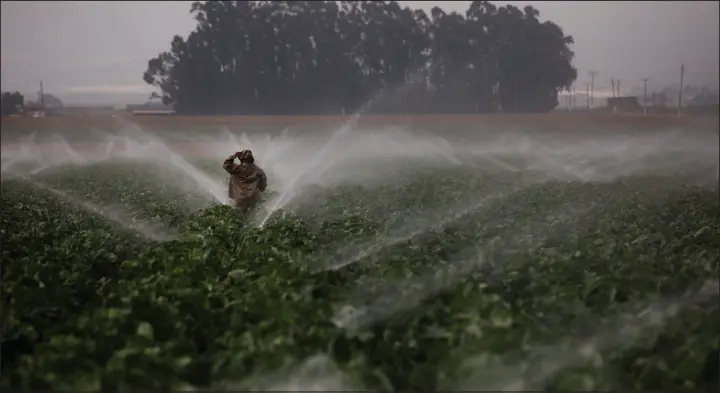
(96, 51)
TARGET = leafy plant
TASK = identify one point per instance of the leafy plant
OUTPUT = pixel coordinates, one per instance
(397, 287)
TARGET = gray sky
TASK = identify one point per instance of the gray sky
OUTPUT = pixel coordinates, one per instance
(96, 51)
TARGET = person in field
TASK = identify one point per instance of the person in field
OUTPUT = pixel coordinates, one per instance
(247, 180)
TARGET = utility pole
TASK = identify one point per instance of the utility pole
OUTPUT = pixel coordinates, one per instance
(41, 98)
(645, 81)
(682, 76)
(592, 88)
(567, 100)
(575, 105)
(617, 85)
(612, 86)
(587, 95)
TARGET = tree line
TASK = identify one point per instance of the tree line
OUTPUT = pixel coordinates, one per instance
(295, 57)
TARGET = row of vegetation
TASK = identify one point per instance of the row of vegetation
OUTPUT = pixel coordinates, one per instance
(278, 57)
(560, 286)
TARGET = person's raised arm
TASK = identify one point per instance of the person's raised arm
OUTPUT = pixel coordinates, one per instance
(229, 164)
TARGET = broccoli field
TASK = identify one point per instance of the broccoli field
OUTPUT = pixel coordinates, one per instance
(384, 261)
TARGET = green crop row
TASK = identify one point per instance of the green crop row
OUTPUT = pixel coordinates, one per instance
(440, 280)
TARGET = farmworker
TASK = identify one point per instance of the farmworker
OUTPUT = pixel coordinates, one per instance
(247, 180)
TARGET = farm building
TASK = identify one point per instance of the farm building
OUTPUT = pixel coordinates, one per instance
(47, 104)
(150, 108)
(50, 101)
(627, 104)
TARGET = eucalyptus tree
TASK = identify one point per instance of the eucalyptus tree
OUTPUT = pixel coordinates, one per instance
(272, 57)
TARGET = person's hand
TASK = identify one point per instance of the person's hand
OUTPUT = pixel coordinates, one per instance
(237, 154)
